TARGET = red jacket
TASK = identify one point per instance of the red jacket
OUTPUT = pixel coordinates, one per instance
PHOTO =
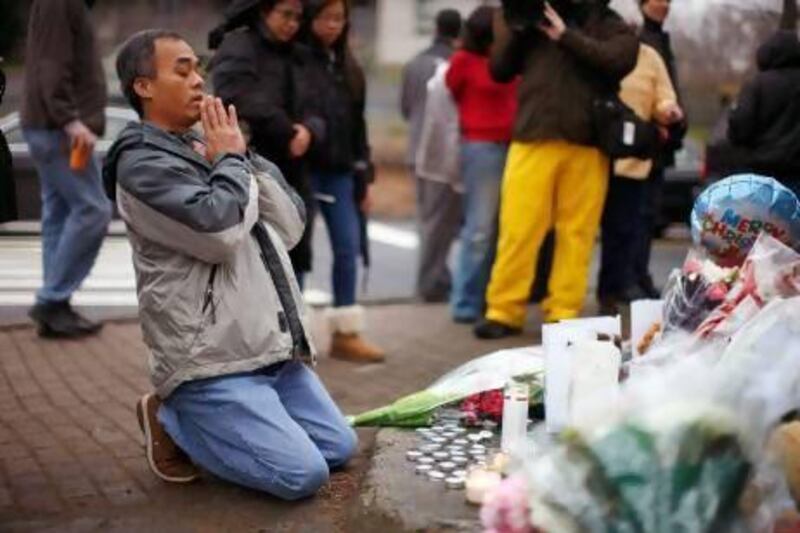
(486, 108)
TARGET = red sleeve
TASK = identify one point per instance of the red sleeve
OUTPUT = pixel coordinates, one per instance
(457, 74)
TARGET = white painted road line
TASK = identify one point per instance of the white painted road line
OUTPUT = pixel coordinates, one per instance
(385, 234)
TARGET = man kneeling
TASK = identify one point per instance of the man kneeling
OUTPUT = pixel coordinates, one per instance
(210, 225)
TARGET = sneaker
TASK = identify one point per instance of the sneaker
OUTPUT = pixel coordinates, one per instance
(491, 330)
(352, 347)
(166, 460)
(57, 320)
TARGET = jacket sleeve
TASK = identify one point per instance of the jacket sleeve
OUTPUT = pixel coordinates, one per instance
(742, 122)
(54, 47)
(166, 201)
(664, 90)
(508, 51)
(612, 53)
(257, 101)
(278, 204)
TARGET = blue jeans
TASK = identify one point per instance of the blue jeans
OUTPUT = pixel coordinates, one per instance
(334, 195)
(275, 430)
(482, 165)
(75, 215)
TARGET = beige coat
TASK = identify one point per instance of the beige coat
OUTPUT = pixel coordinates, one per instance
(649, 92)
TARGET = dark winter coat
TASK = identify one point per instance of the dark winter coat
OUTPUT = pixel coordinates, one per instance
(340, 90)
(766, 119)
(269, 83)
(64, 78)
(560, 80)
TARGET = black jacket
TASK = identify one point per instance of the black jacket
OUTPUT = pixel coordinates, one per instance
(270, 85)
(340, 91)
(766, 119)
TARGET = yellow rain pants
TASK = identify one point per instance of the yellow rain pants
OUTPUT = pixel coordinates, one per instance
(547, 184)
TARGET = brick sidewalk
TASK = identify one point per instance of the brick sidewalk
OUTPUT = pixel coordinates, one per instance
(71, 448)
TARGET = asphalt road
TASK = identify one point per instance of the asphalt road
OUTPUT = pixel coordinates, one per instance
(110, 290)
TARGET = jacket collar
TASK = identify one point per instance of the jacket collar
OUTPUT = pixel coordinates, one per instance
(652, 25)
(176, 144)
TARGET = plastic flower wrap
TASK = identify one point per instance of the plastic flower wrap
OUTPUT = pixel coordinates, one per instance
(771, 270)
(684, 447)
(730, 215)
(483, 374)
(694, 291)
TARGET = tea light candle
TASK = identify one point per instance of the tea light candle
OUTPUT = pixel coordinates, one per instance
(479, 483)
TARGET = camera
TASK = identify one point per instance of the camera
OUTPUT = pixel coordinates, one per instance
(523, 14)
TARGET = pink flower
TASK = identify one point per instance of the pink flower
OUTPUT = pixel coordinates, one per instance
(505, 510)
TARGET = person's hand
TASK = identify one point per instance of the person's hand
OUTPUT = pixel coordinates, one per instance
(221, 129)
(80, 137)
(300, 142)
(673, 113)
(553, 26)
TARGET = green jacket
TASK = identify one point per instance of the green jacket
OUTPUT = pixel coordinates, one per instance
(561, 79)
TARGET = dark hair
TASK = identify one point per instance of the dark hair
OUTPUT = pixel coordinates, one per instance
(239, 13)
(135, 60)
(478, 31)
(448, 24)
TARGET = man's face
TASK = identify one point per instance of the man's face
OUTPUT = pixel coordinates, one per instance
(174, 95)
(657, 10)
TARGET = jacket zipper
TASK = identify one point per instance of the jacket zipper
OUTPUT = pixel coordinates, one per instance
(209, 296)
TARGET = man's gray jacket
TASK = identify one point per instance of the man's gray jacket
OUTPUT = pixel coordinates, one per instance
(216, 291)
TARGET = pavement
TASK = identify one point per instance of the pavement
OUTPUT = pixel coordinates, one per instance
(71, 455)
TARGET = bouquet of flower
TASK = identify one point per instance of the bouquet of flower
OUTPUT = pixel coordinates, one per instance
(487, 373)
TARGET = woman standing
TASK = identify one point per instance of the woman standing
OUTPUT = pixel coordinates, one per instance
(265, 74)
(486, 113)
(341, 171)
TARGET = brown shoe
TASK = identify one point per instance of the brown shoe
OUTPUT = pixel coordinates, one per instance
(351, 347)
(166, 460)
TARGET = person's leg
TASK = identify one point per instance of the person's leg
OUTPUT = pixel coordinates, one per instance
(482, 167)
(440, 213)
(650, 211)
(237, 428)
(580, 193)
(525, 216)
(73, 252)
(335, 197)
(618, 241)
(308, 403)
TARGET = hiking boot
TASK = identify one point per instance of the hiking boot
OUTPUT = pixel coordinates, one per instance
(492, 330)
(351, 347)
(346, 325)
(166, 460)
(57, 320)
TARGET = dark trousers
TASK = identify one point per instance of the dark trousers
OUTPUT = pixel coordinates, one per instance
(620, 229)
(653, 190)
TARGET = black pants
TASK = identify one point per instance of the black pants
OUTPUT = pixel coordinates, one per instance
(620, 233)
(653, 192)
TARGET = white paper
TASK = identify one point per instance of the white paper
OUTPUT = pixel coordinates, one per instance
(644, 313)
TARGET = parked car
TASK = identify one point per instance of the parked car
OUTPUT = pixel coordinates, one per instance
(26, 183)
